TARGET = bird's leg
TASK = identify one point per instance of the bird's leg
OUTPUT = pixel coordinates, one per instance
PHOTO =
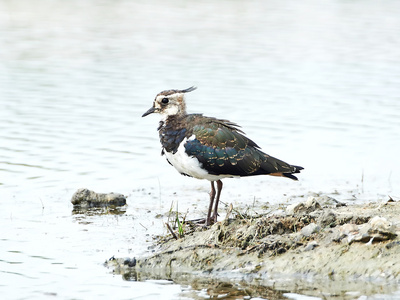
(212, 196)
(219, 189)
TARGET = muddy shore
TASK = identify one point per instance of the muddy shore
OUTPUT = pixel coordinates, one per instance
(318, 247)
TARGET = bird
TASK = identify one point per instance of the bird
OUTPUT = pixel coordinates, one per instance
(210, 148)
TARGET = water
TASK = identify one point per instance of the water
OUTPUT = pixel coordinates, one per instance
(316, 84)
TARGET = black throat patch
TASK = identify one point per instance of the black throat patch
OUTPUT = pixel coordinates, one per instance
(171, 134)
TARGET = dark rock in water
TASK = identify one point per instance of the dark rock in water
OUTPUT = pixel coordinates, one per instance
(86, 198)
(130, 262)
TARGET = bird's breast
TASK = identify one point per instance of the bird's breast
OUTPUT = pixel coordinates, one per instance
(171, 138)
(189, 165)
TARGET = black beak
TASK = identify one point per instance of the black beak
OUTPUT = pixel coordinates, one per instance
(150, 111)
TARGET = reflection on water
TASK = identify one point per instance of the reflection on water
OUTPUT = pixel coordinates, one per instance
(198, 287)
(316, 84)
(208, 288)
(97, 211)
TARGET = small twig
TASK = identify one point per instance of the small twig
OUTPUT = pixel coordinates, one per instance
(170, 230)
(239, 213)
(143, 226)
(184, 217)
(228, 213)
(170, 211)
(224, 203)
(42, 203)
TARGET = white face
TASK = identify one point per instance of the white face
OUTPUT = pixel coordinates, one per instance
(168, 105)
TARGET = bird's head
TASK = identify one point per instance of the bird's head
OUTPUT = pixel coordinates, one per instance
(170, 102)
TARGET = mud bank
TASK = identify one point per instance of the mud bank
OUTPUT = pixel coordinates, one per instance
(318, 247)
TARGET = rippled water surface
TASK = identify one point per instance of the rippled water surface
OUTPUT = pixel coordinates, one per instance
(315, 84)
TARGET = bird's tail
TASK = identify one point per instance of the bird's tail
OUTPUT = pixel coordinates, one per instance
(276, 167)
(295, 169)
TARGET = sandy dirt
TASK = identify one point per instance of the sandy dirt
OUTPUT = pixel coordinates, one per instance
(317, 247)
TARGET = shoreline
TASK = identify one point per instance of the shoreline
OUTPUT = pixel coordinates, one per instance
(319, 241)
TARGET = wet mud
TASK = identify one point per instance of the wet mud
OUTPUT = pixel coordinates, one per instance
(318, 247)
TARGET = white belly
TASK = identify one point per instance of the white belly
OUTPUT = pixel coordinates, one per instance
(190, 165)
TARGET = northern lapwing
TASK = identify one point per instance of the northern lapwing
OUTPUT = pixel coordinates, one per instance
(209, 148)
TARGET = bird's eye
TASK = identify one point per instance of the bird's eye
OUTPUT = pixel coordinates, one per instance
(165, 100)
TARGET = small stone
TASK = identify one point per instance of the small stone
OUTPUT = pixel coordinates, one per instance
(312, 204)
(86, 198)
(392, 245)
(348, 229)
(380, 224)
(294, 208)
(310, 229)
(327, 201)
(376, 230)
(327, 219)
(311, 246)
(303, 207)
(349, 232)
(281, 250)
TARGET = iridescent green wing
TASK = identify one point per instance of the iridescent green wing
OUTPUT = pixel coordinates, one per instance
(222, 148)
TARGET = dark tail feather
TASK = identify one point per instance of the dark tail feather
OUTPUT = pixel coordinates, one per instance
(295, 169)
